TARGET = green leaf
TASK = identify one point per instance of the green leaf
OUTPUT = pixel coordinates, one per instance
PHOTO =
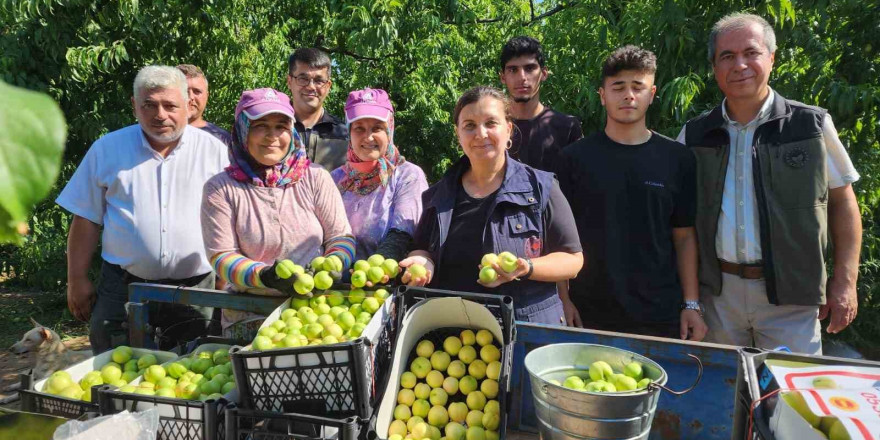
(32, 136)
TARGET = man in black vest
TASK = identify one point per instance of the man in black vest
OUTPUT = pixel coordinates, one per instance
(324, 136)
(774, 183)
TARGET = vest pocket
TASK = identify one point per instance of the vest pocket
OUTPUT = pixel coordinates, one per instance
(522, 236)
(798, 174)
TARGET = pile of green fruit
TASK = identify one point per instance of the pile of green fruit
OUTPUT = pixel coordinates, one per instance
(454, 389)
(374, 269)
(601, 378)
(505, 260)
(123, 369)
(829, 427)
(321, 273)
(322, 319)
(200, 376)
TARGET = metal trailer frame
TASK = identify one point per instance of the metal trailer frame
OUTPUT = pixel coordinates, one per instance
(707, 412)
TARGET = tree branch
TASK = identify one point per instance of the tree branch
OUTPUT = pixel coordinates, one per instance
(349, 53)
(532, 9)
(558, 8)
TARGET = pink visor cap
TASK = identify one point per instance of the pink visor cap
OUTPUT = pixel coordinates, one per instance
(261, 102)
(368, 103)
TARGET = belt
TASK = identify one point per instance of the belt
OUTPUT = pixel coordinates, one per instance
(748, 271)
(128, 278)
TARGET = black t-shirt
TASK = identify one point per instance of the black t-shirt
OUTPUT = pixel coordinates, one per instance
(538, 142)
(459, 269)
(626, 200)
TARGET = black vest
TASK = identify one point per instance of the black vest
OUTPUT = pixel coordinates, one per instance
(791, 185)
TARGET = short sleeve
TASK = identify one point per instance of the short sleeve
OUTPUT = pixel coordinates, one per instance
(685, 210)
(576, 133)
(84, 194)
(561, 234)
(841, 171)
(407, 205)
(218, 219)
(682, 135)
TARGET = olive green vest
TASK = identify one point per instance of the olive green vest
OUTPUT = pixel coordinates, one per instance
(788, 166)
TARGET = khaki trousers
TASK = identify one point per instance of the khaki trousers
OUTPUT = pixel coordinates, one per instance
(743, 316)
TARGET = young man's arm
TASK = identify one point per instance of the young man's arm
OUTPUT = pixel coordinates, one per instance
(572, 316)
(82, 240)
(685, 241)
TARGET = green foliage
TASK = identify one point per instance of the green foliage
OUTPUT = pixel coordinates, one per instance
(32, 132)
(426, 52)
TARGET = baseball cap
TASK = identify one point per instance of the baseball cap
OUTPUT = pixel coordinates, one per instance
(260, 102)
(368, 103)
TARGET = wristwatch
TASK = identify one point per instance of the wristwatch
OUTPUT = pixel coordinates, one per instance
(693, 305)
(531, 269)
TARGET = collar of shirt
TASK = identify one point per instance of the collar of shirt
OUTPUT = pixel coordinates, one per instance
(180, 143)
(326, 118)
(762, 115)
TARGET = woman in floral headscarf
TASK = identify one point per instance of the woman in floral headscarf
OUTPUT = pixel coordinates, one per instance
(271, 203)
(382, 192)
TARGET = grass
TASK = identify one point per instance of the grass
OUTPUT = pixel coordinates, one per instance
(47, 308)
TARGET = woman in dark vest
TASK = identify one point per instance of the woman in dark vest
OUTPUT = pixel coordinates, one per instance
(489, 203)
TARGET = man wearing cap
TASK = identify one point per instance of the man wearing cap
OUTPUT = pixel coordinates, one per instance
(197, 85)
(143, 185)
(541, 132)
(324, 136)
(774, 183)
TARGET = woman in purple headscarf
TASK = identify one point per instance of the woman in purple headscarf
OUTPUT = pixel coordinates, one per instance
(382, 192)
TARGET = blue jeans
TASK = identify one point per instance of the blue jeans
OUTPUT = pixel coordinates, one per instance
(548, 311)
(180, 322)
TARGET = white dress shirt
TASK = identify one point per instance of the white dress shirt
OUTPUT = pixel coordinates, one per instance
(149, 205)
(738, 239)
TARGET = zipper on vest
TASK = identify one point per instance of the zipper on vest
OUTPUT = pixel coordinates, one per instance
(763, 219)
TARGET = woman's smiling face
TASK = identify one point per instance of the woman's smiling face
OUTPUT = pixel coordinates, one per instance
(369, 139)
(268, 138)
(483, 129)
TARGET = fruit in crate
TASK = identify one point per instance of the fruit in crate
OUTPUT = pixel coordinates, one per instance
(123, 368)
(330, 318)
(451, 389)
(600, 378)
(183, 378)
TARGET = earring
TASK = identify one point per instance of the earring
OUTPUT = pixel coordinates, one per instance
(509, 143)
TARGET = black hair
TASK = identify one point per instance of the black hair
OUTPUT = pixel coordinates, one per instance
(519, 46)
(310, 56)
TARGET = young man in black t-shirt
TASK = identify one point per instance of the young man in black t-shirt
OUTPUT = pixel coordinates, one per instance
(541, 132)
(633, 195)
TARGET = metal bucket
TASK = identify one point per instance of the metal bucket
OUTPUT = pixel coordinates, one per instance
(565, 414)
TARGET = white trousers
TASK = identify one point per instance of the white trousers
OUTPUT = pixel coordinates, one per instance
(743, 316)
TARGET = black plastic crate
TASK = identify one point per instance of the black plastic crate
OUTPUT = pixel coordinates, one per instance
(501, 306)
(753, 382)
(179, 419)
(243, 424)
(337, 381)
(36, 402)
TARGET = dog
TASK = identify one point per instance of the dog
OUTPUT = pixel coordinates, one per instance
(51, 353)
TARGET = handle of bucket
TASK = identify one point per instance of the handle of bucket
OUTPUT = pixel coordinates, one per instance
(687, 390)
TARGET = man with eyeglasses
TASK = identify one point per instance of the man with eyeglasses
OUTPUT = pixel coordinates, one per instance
(324, 136)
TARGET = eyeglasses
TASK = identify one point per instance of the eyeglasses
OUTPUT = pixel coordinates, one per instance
(304, 81)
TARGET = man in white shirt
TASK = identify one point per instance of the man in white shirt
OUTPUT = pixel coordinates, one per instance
(142, 185)
(774, 183)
